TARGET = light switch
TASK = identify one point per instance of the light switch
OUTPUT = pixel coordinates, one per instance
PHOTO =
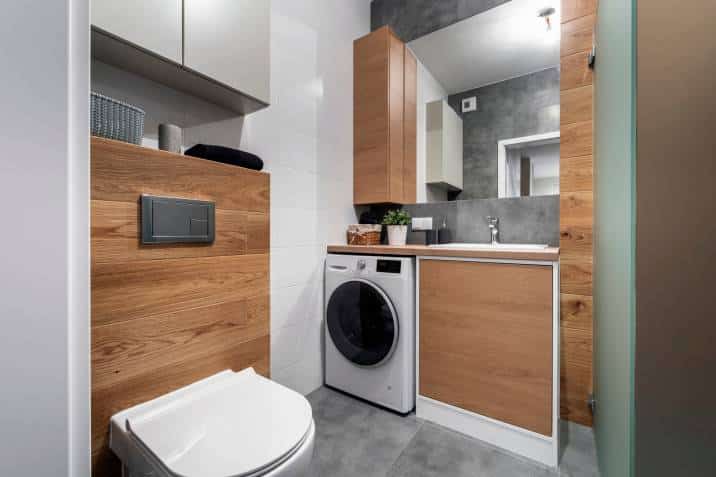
(422, 223)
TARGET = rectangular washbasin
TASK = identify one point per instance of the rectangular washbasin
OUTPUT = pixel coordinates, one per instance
(489, 246)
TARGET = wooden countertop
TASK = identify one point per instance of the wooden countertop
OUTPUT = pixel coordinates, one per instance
(547, 254)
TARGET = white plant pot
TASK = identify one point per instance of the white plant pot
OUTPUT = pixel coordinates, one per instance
(397, 234)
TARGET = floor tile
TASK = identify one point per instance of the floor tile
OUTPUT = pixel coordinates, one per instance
(578, 455)
(436, 451)
(356, 439)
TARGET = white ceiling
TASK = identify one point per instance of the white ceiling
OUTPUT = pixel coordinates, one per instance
(501, 43)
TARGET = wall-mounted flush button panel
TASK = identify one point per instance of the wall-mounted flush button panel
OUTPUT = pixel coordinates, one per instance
(170, 220)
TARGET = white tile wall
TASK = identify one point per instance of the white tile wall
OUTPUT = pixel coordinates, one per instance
(306, 141)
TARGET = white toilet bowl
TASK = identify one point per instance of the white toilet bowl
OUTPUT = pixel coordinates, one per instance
(228, 425)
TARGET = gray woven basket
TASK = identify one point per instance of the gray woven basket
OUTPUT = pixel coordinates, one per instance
(115, 119)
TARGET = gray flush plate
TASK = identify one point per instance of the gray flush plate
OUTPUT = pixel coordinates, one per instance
(171, 220)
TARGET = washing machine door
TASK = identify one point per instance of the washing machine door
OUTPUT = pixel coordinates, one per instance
(362, 323)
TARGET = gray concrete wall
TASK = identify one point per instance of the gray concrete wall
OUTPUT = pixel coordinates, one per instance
(415, 18)
(522, 219)
(517, 107)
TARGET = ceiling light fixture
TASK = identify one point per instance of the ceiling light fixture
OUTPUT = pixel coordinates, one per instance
(547, 13)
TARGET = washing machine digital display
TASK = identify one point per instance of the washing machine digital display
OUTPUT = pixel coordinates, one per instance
(388, 266)
(362, 323)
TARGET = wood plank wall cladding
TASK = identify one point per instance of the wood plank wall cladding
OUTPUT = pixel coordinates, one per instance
(576, 213)
(164, 316)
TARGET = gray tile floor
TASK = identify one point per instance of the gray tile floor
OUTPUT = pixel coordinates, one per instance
(354, 438)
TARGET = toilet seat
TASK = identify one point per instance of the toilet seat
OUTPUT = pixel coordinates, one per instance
(229, 425)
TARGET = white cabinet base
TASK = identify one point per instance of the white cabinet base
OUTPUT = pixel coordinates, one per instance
(519, 441)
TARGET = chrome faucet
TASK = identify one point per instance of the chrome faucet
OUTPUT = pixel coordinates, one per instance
(494, 231)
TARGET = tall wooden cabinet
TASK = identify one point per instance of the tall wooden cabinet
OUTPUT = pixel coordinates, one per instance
(384, 120)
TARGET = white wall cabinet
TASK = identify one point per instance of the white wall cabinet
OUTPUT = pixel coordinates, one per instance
(155, 25)
(444, 146)
(218, 50)
(228, 40)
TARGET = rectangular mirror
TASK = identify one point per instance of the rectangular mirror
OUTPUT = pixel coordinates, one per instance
(488, 105)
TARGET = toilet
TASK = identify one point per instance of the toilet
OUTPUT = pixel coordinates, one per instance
(232, 424)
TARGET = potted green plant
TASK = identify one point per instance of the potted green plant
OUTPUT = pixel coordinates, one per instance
(397, 222)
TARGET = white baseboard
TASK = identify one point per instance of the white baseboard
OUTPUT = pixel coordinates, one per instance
(543, 449)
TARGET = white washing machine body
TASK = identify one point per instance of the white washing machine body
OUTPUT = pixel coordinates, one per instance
(369, 315)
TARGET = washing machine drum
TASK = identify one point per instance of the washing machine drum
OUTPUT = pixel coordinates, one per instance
(362, 323)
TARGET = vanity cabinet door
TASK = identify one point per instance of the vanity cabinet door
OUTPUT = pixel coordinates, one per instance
(153, 25)
(486, 339)
(229, 41)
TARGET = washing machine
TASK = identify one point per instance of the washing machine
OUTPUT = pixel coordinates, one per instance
(370, 328)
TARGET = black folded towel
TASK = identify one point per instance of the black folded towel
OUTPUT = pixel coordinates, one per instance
(226, 155)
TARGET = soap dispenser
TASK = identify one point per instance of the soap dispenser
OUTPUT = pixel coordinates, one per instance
(444, 232)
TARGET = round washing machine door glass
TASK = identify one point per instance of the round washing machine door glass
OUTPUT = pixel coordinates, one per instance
(362, 323)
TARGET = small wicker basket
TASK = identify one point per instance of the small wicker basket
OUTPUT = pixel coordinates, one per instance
(364, 234)
(115, 119)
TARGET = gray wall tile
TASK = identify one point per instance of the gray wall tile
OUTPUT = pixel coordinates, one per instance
(439, 211)
(411, 19)
(522, 219)
(514, 108)
(468, 8)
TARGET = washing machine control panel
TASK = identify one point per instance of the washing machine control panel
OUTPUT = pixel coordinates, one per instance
(388, 266)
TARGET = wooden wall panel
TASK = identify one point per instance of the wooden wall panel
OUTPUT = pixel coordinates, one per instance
(576, 174)
(574, 9)
(164, 316)
(122, 173)
(576, 105)
(576, 139)
(575, 71)
(576, 209)
(577, 35)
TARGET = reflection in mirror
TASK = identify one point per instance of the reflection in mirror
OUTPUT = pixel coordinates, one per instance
(528, 166)
(488, 105)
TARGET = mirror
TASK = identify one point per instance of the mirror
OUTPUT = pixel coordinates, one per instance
(488, 104)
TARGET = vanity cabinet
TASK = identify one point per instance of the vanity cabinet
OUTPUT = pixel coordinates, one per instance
(444, 156)
(384, 120)
(487, 353)
(218, 50)
(154, 25)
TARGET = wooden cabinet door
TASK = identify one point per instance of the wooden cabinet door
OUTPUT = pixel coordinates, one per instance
(410, 130)
(384, 120)
(370, 118)
(486, 339)
(154, 25)
(229, 41)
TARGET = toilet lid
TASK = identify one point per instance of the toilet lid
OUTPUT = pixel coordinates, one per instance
(236, 427)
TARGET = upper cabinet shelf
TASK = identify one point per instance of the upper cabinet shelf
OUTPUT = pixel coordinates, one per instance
(217, 50)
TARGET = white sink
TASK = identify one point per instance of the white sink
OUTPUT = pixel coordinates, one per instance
(489, 246)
